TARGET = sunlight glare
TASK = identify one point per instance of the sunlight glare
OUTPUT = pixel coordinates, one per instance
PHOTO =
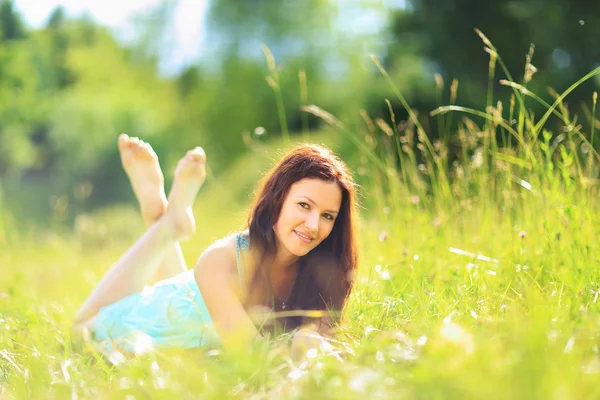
(141, 343)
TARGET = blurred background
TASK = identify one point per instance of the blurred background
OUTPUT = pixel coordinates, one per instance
(74, 74)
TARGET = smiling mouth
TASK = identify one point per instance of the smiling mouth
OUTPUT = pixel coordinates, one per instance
(303, 237)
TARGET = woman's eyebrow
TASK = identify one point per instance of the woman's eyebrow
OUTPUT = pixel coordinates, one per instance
(315, 204)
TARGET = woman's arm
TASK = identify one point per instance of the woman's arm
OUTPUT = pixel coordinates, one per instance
(214, 273)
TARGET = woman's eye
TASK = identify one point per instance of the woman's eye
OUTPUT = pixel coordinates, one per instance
(304, 205)
(328, 216)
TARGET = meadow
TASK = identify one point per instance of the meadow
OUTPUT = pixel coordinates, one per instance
(479, 275)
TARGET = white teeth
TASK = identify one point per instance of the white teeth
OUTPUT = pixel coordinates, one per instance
(303, 236)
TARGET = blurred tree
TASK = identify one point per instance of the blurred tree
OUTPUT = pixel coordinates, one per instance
(563, 32)
(111, 95)
(17, 97)
(56, 27)
(188, 81)
(11, 26)
(57, 18)
(236, 96)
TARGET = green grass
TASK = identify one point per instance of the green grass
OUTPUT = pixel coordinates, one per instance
(479, 278)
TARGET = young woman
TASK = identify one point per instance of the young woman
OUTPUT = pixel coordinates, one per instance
(293, 265)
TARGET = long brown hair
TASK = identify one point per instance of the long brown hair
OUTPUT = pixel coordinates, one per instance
(325, 275)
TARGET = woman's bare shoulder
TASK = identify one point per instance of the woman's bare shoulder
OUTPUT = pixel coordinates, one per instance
(220, 254)
(226, 243)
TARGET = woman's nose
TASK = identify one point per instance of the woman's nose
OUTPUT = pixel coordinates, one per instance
(312, 222)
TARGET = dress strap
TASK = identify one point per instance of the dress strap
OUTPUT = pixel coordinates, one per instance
(242, 243)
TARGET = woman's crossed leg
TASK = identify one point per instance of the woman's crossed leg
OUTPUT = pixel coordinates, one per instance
(140, 263)
(141, 165)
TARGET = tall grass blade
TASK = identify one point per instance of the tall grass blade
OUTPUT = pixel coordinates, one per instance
(274, 82)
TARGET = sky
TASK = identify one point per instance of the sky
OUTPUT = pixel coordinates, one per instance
(187, 37)
(188, 33)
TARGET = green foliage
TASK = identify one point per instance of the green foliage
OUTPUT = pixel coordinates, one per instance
(11, 26)
(465, 294)
(479, 271)
(442, 31)
(17, 107)
(69, 89)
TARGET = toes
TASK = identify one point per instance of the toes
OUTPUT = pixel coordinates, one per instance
(129, 143)
(193, 159)
(196, 150)
(133, 142)
(141, 147)
(196, 155)
(123, 141)
(136, 142)
(150, 150)
(136, 145)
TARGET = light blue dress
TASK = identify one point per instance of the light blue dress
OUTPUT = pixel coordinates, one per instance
(171, 313)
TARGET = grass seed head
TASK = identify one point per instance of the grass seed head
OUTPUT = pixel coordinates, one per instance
(384, 127)
(365, 116)
(484, 38)
(439, 81)
(269, 56)
(453, 90)
(530, 69)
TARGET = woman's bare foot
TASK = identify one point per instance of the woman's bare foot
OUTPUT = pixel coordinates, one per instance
(189, 177)
(141, 165)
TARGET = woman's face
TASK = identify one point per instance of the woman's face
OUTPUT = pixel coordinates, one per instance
(307, 215)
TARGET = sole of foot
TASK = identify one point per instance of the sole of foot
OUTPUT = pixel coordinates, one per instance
(189, 177)
(141, 165)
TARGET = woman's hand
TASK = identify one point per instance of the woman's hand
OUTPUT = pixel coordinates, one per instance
(305, 340)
